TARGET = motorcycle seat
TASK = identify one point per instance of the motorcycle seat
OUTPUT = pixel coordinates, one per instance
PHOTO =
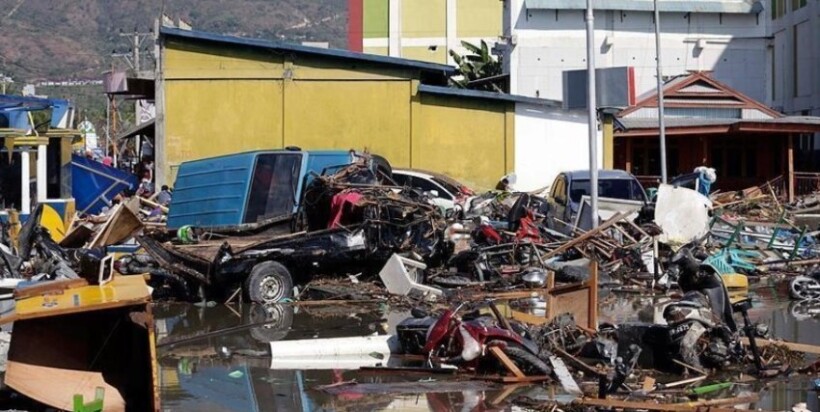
(742, 305)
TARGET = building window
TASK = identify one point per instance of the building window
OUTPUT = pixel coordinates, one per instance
(778, 8)
(801, 60)
(796, 4)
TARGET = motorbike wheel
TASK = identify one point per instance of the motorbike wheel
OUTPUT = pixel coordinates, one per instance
(691, 346)
(803, 287)
(529, 363)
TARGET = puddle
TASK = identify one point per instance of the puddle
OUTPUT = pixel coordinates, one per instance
(219, 359)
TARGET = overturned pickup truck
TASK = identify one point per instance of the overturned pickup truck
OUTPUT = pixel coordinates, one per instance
(267, 220)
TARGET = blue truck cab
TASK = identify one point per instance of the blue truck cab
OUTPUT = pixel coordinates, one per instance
(247, 188)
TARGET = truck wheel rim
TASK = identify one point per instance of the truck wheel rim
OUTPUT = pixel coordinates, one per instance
(271, 289)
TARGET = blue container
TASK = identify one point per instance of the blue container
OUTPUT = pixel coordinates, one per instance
(94, 184)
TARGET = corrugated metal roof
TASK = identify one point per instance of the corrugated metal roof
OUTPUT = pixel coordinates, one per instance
(728, 101)
(680, 6)
(629, 123)
(298, 48)
(452, 91)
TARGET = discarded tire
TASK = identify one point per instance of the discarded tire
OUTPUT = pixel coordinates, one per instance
(453, 281)
(572, 274)
(268, 282)
(527, 362)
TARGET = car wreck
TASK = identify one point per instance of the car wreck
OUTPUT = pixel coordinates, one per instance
(346, 222)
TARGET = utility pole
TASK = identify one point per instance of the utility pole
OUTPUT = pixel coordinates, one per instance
(661, 125)
(592, 112)
(4, 80)
(137, 38)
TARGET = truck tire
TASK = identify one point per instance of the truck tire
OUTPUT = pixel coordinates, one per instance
(268, 282)
(278, 319)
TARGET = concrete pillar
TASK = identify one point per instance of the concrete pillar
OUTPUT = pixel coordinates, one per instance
(41, 173)
(25, 201)
(452, 33)
(394, 28)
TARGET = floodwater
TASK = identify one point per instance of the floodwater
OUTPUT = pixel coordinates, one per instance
(219, 359)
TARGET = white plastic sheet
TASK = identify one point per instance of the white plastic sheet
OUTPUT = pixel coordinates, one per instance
(682, 213)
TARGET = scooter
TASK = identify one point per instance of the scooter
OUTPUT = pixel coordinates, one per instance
(701, 325)
(462, 336)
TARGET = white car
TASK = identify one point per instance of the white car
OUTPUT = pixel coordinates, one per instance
(445, 191)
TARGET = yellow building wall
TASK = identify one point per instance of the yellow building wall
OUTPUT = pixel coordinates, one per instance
(207, 118)
(423, 18)
(381, 51)
(479, 18)
(350, 115)
(192, 61)
(468, 139)
(213, 106)
(425, 54)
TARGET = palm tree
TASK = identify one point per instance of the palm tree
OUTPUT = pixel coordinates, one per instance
(479, 70)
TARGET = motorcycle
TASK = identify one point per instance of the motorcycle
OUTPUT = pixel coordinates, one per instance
(463, 336)
(701, 326)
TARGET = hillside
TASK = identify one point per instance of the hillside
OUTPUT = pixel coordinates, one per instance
(55, 40)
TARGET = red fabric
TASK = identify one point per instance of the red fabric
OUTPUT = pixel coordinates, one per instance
(528, 230)
(490, 235)
(337, 206)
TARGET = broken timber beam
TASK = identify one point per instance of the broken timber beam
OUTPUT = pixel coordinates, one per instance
(507, 362)
(572, 243)
(713, 405)
(793, 346)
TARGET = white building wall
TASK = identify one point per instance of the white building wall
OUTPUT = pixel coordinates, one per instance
(544, 43)
(547, 142)
(796, 81)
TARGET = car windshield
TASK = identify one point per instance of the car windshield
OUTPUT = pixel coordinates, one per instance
(447, 185)
(612, 188)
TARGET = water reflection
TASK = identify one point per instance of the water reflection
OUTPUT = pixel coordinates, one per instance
(219, 358)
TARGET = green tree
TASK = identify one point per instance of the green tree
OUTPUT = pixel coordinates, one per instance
(478, 70)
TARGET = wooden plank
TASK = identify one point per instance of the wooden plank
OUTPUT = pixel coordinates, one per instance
(509, 364)
(648, 384)
(592, 311)
(790, 166)
(508, 390)
(121, 291)
(572, 243)
(566, 379)
(670, 407)
(53, 286)
(575, 302)
(579, 363)
(119, 227)
(797, 347)
(61, 385)
(513, 379)
(78, 236)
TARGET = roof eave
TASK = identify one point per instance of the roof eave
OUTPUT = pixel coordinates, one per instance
(668, 6)
(298, 48)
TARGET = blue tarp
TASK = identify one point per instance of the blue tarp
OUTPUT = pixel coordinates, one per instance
(94, 184)
(15, 109)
